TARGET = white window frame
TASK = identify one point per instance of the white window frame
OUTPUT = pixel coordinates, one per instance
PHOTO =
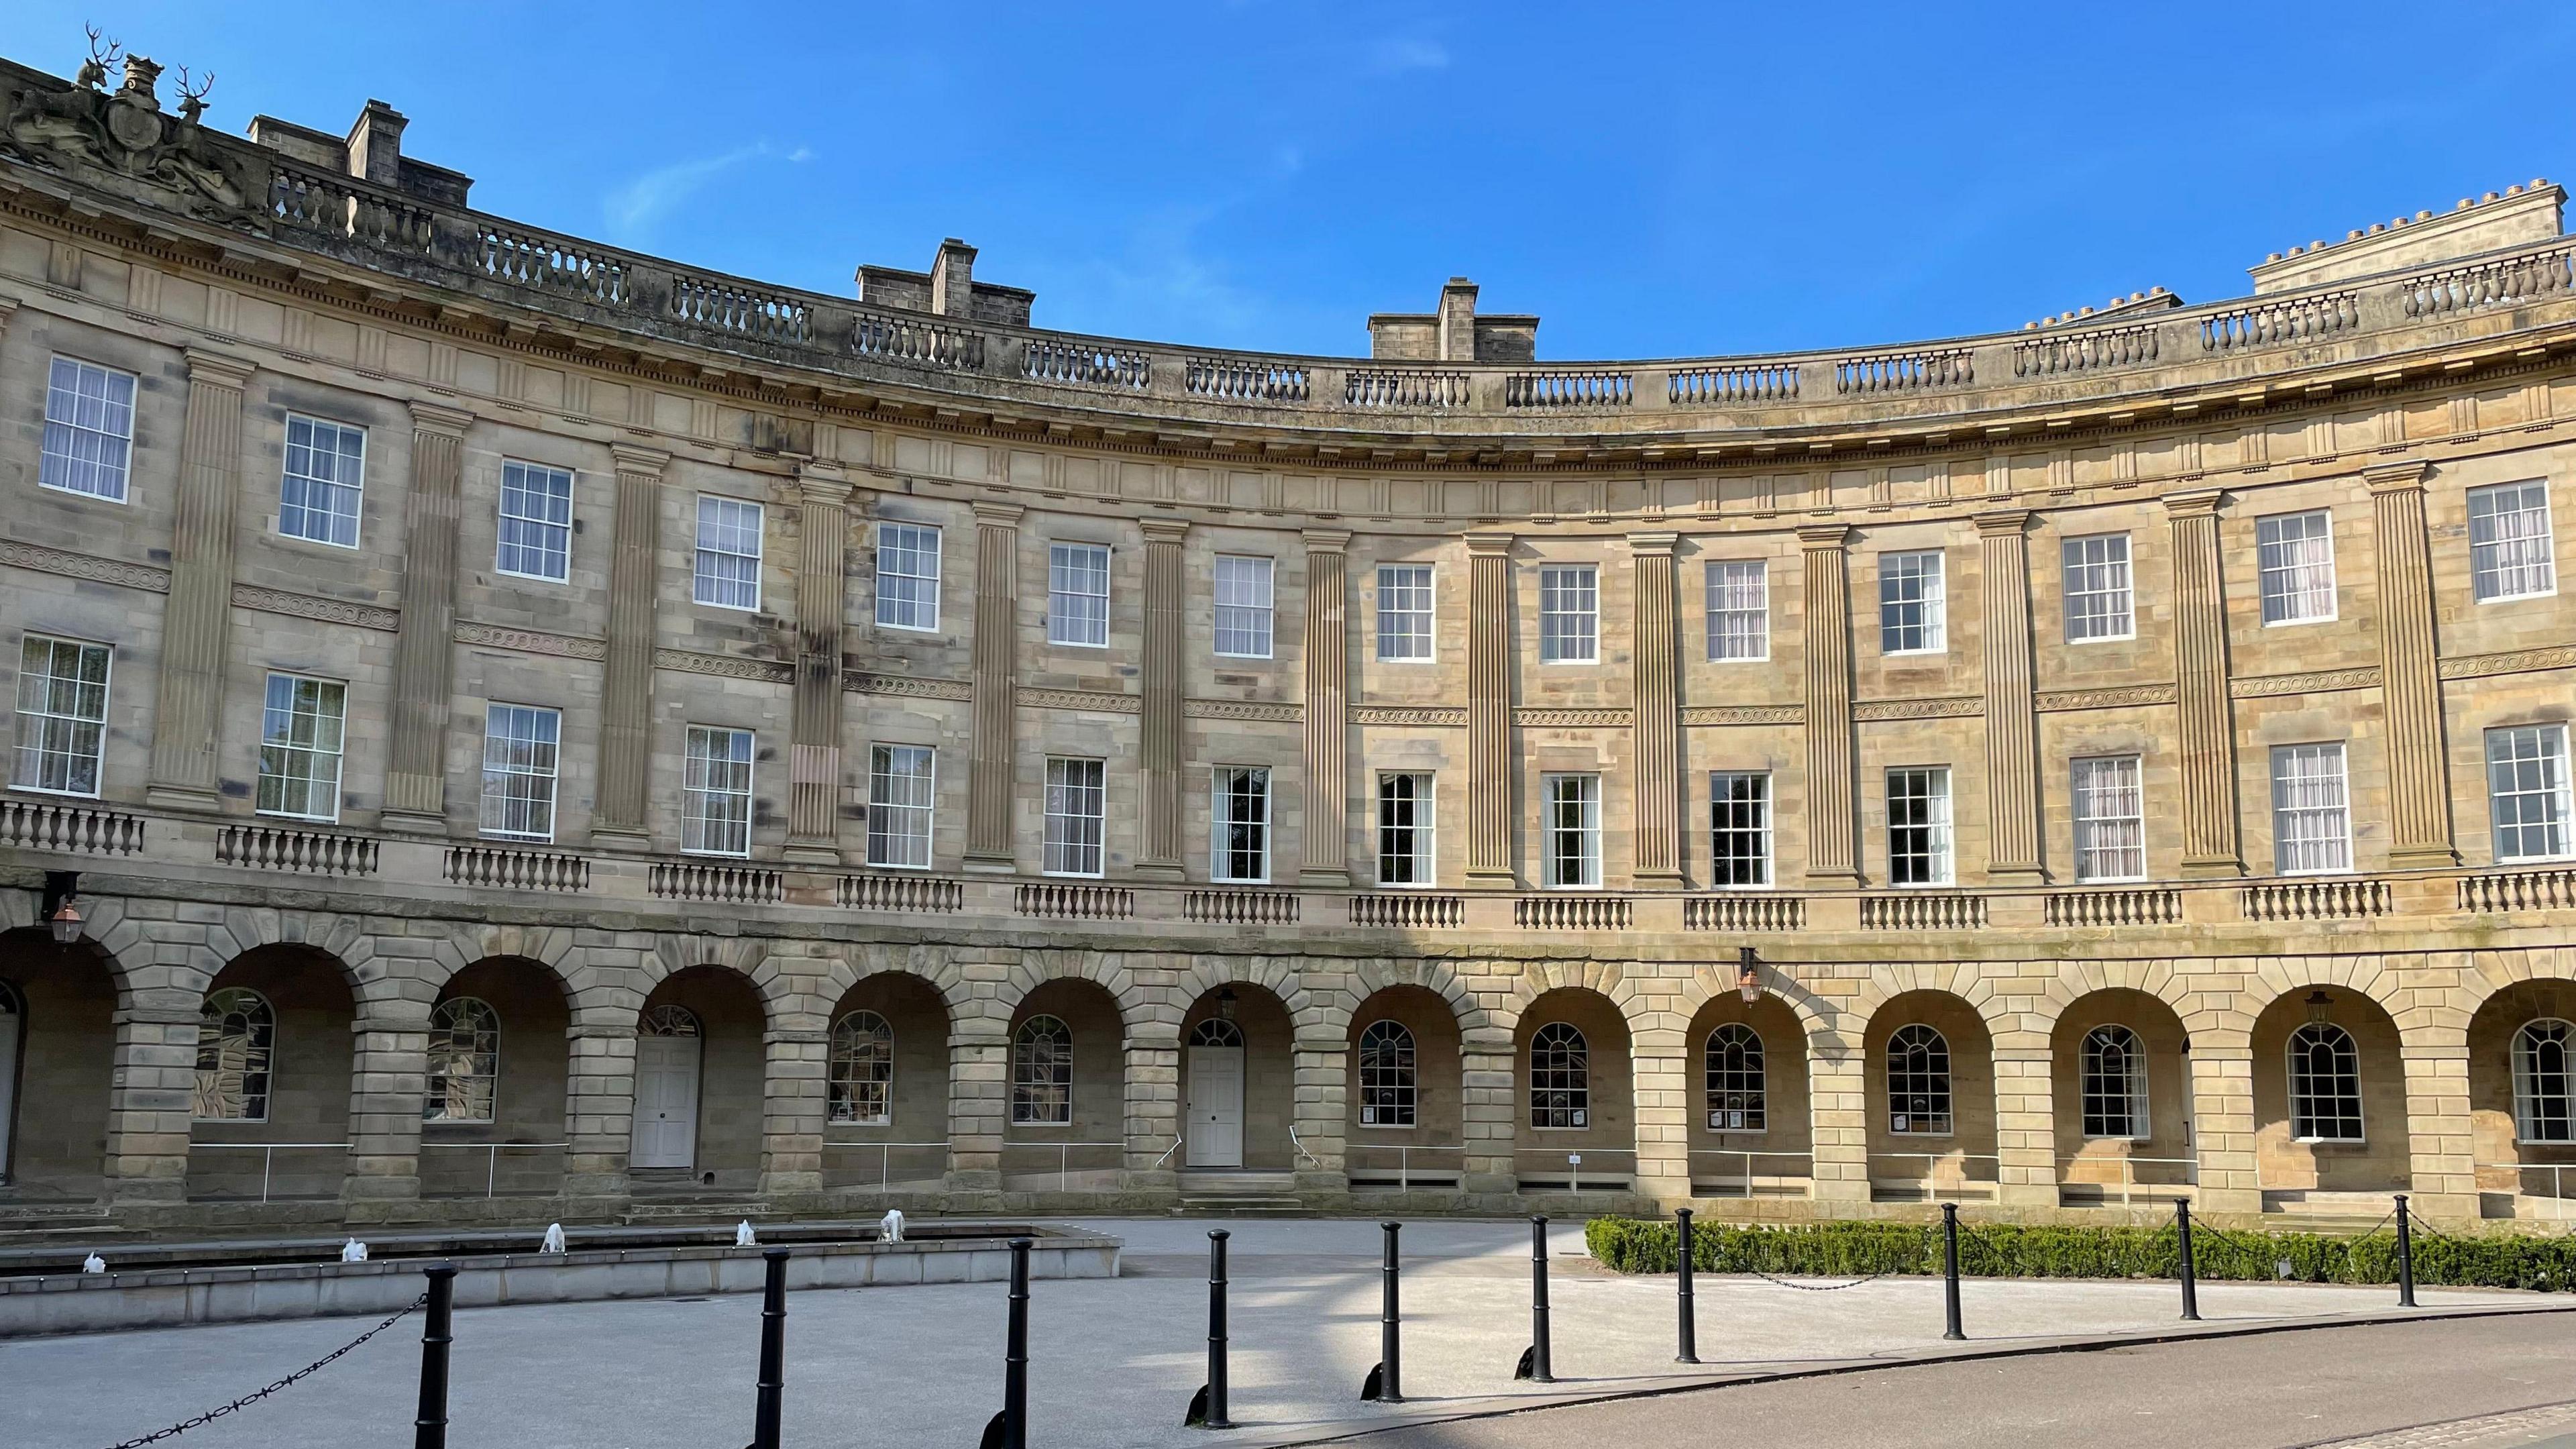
(1736, 1098)
(1569, 614)
(1920, 1066)
(553, 540)
(720, 515)
(464, 1032)
(1427, 614)
(2284, 811)
(1580, 790)
(2543, 1117)
(1938, 825)
(1223, 801)
(548, 750)
(1389, 1089)
(57, 464)
(2096, 567)
(2318, 1031)
(1560, 1082)
(2113, 807)
(1035, 1084)
(327, 489)
(907, 546)
(1732, 622)
(45, 720)
(1241, 616)
(314, 782)
(919, 820)
(861, 1066)
(2288, 586)
(2135, 1099)
(701, 790)
(1916, 579)
(1720, 787)
(1421, 828)
(1069, 607)
(1072, 832)
(2549, 752)
(2483, 552)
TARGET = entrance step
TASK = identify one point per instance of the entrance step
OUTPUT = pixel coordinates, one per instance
(1241, 1206)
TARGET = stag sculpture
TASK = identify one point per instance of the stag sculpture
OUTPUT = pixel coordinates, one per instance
(192, 96)
(93, 71)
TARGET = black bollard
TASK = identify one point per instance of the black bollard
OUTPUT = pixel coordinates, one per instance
(1385, 1383)
(1950, 1270)
(2405, 1255)
(773, 1349)
(2190, 1278)
(429, 1430)
(1690, 1315)
(1207, 1411)
(1009, 1429)
(1534, 1364)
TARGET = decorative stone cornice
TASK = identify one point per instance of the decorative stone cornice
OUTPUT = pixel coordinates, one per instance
(724, 666)
(1542, 718)
(1157, 528)
(2118, 697)
(1650, 545)
(216, 369)
(1706, 716)
(1326, 540)
(531, 641)
(997, 515)
(1484, 544)
(429, 417)
(1817, 537)
(2196, 503)
(2003, 523)
(902, 686)
(1242, 709)
(1874, 710)
(1414, 716)
(2324, 681)
(2511, 661)
(84, 566)
(310, 606)
(1093, 701)
(638, 459)
(2397, 477)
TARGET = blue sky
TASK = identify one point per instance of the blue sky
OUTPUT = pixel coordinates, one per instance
(1705, 179)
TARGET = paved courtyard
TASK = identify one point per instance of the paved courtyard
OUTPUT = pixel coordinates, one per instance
(1115, 1361)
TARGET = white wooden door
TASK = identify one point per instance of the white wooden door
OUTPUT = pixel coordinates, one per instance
(12, 1025)
(666, 1101)
(1216, 1106)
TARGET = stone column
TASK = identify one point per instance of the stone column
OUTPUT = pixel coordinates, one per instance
(2410, 684)
(2202, 710)
(2441, 1153)
(425, 650)
(197, 621)
(996, 652)
(1328, 709)
(1832, 861)
(2012, 744)
(1488, 1116)
(2222, 1124)
(979, 1101)
(2025, 1128)
(599, 1107)
(822, 603)
(626, 692)
(151, 1097)
(389, 1072)
(1838, 1116)
(1158, 730)
(1660, 1059)
(1152, 1081)
(1654, 658)
(1322, 1107)
(1490, 775)
(792, 1109)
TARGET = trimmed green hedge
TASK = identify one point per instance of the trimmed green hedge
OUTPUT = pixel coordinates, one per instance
(2000, 1250)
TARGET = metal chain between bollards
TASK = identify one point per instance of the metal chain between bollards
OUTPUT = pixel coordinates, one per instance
(1834, 1287)
(246, 1400)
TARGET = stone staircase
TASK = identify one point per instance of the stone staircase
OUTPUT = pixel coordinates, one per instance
(1240, 1193)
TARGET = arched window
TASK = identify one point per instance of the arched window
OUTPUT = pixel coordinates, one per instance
(2114, 1084)
(1216, 1031)
(1386, 1075)
(236, 1034)
(2544, 1099)
(1560, 1077)
(862, 1079)
(464, 1061)
(1042, 1073)
(669, 1020)
(1735, 1080)
(1918, 1082)
(2325, 1084)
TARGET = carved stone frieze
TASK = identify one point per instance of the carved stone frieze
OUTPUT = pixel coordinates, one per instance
(2511, 661)
(1245, 709)
(2265, 686)
(1529, 718)
(1098, 702)
(1717, 715)
(2118, 697)
(531, 641)
(308, 606)
(85, 566)
(767, 671)
(1961, 707)
(1418, 716)
(906, 687)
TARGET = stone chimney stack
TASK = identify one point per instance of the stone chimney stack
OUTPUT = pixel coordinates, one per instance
(375, 144)
(1458, 321)
(952, 279)
(1454, 333)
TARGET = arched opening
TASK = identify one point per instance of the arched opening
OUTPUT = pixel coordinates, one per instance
(1066, 1128)
(57, 1064)
(2522, 1100)
(1748, 1085)
(1404, 1130)
(2329, 1102)
(493, 1101)
(273, 1076)
(885, 1114)
(1931, 1100)
(700, 1080)
(1576, 1125)
(2120, 1074)
(1238, 1082)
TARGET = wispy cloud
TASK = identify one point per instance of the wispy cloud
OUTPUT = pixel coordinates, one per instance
(1397, 54)
(641, 204)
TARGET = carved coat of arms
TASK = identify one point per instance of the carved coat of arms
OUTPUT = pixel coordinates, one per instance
(126, 135)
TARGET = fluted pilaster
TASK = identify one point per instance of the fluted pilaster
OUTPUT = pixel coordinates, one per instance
(1489, 709)
(198, 619)
(425, 651)
(2012, 747)
(2203, 713)
(996, 660)
(2419, 802)
(1159, 730)
(1824, 579)
(626, 691)
(1328, 701)
(1656, 682)
(822, 603)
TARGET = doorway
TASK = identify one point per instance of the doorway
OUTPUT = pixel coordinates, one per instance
(667, 1054)
(12, 1019)
(1216, 1095)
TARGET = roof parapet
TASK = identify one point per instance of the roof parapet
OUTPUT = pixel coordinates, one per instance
(2522, 215)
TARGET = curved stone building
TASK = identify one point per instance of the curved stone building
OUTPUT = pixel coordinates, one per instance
(526, 729)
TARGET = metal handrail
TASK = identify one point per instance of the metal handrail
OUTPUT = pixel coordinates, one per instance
(1403, 1161)
(1932, 1184)
(885, 1154)
(1746, 1176)
(1299, 1144)
(268, 1158)
(492, 1157)
(2129, 1178)
(1168, 1151)
(2557, 1171)
(1574, 1160)
(1064, 1157)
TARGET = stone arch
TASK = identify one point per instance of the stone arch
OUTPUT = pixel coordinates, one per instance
(1910, 1160)
(2518, 1172)
(2100, 1162)
(382, 987)
(469, 942)
(2076, 980)
(1137, 1008)
(1714, 980)
(1369, 977)
(2381, 1161)
(57, 1060)
(1313, 1013)
(838, 967)
(2422, 1017)
(748, 957)
(1608, 979)
(1964, 980)
(1593, 1002)
(2492, 971)
(121, 945)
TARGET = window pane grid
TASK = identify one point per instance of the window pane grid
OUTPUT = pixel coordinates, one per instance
(299, 747)
(2311, 819)
(1912, 604)
(728, 566)
(1075, 802)
(2114, 1084)
(1574, 830)
(2110, 820)
(1242, 821)
(2098, 600)
(89, 430)
(2544, 1095)
(1735, 1081)
(317, 498)
(2295, 559)
(236, 1041)
(464, 1062)
(62, 716)
(1918, 1082)
(715, 792)
(1739, 610)
(519, 749)
(901, 789)
(1560, 1077)
(536, 522)
(1405, 819)
(1078, 594)
(2511, 552)
(907, 576)
(1918, 827)
(1243, 607)
(860, 1088)
(2325, 1084)
(1404, 612)
(1042, 1073)
(1387, 1096)
(1569, 615)
(1739, 807)
(2527, 788)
